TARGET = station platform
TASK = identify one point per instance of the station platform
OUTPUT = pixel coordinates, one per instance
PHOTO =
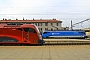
(66, 41)
(67, 52)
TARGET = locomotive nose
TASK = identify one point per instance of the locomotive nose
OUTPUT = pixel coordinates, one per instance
(41, 41)
(40, 37)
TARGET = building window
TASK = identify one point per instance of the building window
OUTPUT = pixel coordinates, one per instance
(51, 24)
(64, 28)
(39, 24)
(57, 28)
(35, 24)
(57, 24)
(51, 29)
(40, 29)
(46, 28)
(46, 24)
(28, 23)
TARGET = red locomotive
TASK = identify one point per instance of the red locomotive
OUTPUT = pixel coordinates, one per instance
(20, 34)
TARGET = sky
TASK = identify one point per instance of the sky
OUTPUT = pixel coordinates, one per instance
(63, 10)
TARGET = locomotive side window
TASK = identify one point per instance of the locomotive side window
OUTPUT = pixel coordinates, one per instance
(20, 29)
(29, 30)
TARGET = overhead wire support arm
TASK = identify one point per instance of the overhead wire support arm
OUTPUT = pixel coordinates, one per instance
(80, 22)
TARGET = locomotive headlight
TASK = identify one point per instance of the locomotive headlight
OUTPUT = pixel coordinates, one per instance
(40, 37)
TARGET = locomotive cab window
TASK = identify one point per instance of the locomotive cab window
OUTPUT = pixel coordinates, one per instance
(26, 29)
(45, 32)
(82, 32)
(29, 30)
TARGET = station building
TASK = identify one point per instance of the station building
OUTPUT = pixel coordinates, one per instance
(42, 24)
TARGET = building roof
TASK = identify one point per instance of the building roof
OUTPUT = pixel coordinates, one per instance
(32, 21)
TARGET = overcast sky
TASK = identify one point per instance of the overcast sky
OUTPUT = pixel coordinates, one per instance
(64, 10)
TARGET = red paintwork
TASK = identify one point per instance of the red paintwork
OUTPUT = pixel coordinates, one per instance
(21, 36)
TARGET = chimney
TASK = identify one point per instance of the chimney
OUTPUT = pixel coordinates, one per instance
(23, 18)
(3, 18)
(40, 19)
(33, 18)
(16, 19)
(54, 19)
(9, 19)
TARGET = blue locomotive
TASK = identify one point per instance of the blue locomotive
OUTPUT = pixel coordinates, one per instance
(64, 34)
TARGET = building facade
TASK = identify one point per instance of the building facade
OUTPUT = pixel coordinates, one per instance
(42, 24)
